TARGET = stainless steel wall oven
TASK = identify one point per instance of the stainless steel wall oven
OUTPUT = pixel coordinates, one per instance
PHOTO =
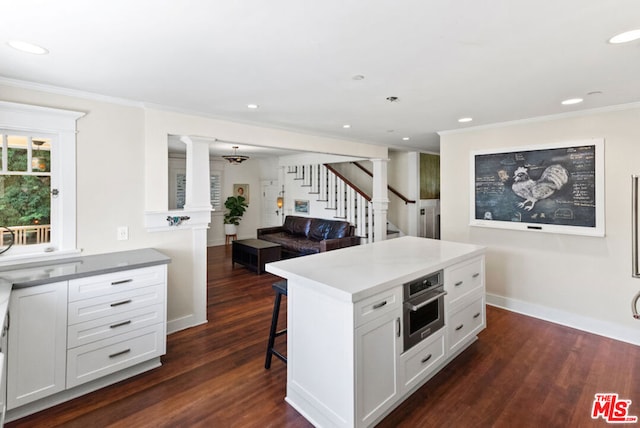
(423, 308)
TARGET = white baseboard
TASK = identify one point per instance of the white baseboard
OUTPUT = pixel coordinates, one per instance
(182, 323)
(590, 325)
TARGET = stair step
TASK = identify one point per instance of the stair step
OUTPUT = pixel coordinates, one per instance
(305, 185)
(340, 217)
(322, 200)
(329, 208)
(314, 193)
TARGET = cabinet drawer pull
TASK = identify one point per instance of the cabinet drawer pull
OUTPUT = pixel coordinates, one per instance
(124, 302)
(120, 353)
(124, 281)
(120, 324)
(459, 327)
(476, 315)
(379, 305)
(425, 359)
(459, 283)
(475, 275)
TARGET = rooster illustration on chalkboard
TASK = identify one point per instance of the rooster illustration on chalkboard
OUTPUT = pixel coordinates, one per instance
(551, 180)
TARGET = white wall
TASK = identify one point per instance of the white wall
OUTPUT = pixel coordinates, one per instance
(575, 280)
(111, 188)
(122, 174)
(398, 178)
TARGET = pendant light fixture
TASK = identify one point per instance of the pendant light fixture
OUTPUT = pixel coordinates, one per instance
(235, 158)
(38, 163)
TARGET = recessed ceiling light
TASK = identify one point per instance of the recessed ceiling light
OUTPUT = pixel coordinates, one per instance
(627, 36)
(253, 106)
(465, 119)
(406, 138)
(358, 77)
(346, 126)
(572, 101)
(27, 47)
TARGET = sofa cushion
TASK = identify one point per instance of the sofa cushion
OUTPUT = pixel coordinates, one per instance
(338, 229)
(296, 244)
(298, 226)
(320, 229)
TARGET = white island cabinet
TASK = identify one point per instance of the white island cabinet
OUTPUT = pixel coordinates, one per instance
(346, 365)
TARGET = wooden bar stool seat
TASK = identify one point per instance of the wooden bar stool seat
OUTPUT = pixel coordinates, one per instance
(280, 288)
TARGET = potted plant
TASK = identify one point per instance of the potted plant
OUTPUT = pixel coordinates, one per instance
(236, 206)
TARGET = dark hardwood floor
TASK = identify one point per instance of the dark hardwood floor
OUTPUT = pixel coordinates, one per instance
(521, 372)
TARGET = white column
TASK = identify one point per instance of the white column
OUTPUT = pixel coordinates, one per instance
(380, 199)
(197, 193)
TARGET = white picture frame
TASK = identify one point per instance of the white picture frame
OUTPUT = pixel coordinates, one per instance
(553, 188)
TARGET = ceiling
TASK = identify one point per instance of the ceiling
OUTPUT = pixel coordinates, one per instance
(492, 60)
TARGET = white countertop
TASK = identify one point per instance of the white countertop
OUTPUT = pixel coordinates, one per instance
(357, 272)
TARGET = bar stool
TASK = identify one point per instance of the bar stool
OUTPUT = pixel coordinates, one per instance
(280, 288)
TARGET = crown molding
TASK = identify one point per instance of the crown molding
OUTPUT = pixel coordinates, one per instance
(23, 84)
(579, 113)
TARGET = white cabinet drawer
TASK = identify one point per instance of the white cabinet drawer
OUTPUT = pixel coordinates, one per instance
(463, 279)
(115, 303)
(105, 327)
(423, 359)
(99, 285)
(97, 359)
(466, 323)
(375, 306)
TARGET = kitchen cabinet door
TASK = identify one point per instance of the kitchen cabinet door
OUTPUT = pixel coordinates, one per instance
(36, 362)
(378, 347)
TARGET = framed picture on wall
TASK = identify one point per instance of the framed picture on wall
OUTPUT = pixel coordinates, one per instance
(301, 206)
(556, 188)
(241, 190)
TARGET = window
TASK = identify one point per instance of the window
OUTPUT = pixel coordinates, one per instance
(216, 190)
(37, 181)
(25, 189)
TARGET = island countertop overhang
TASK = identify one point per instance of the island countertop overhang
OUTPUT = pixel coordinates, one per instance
(355, 273)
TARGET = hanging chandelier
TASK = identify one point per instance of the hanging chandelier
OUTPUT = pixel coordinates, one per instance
(235, 158)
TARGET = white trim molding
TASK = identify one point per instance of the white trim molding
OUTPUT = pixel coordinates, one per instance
(156, 221)
(568, 319)
(61, 124)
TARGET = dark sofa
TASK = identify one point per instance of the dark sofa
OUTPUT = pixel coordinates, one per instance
(300, 236)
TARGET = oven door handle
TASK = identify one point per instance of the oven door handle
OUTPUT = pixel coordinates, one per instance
(414, 308)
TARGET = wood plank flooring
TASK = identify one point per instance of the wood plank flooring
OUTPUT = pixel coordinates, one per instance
(521, 372)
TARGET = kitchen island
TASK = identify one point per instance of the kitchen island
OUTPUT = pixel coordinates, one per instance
(347, 364)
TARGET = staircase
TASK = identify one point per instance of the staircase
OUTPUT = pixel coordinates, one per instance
(348, 202)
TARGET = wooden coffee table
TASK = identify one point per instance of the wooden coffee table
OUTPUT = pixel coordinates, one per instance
(254, 253)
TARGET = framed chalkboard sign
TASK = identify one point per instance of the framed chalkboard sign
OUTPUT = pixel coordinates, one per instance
(556, 188)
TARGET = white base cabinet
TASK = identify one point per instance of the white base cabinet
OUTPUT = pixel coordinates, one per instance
(465, 302)
(66, 334)
(343, 376)
(36, 361)
(378, 346)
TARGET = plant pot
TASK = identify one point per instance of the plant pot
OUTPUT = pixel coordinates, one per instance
(230, 229)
